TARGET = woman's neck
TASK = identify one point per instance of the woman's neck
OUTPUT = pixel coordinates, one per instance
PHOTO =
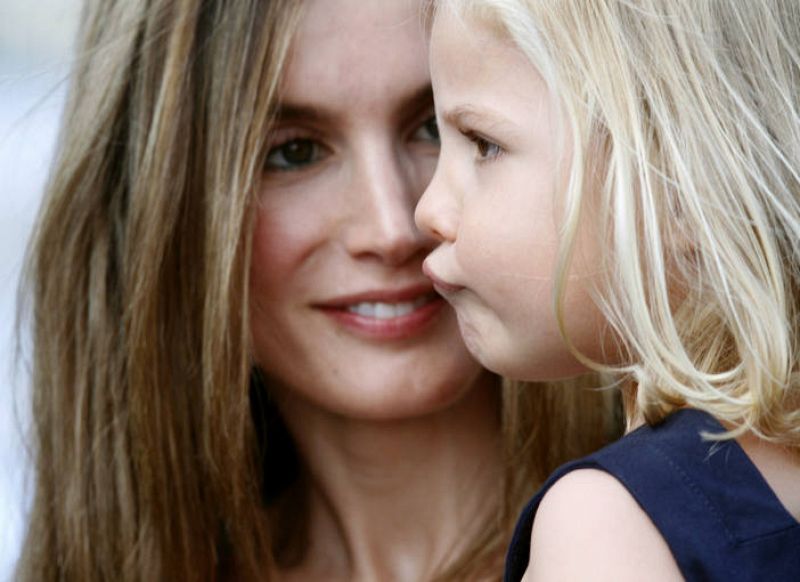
(397, 500)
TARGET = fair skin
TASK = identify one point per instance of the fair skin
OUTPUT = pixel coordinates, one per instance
(491, 206)
(396, 423)
(500, 166)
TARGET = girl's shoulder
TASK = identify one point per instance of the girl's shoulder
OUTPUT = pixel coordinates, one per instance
(589, 527)
(703, 500)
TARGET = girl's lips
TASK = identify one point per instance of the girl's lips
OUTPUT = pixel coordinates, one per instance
(442, 286)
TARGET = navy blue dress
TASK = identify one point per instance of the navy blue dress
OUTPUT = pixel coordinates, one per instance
(714, 509)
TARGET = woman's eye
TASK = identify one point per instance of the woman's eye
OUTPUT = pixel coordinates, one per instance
(293, 155)
(428, 131)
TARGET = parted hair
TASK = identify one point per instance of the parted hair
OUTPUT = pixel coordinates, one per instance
(684, 116)
(148, 462)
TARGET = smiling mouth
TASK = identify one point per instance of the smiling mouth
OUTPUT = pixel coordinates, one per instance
(391, 318)
(382, 310)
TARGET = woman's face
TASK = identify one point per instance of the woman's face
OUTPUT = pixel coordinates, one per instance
(342, 315)
(492, 206)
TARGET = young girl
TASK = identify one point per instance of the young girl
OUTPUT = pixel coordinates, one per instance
(618, 189)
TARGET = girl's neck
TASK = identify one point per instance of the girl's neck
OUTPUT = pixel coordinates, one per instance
(397, 499)
(780, 468)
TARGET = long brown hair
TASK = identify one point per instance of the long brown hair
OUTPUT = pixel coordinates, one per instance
(145, 451)
(147, 461)
(543, 426)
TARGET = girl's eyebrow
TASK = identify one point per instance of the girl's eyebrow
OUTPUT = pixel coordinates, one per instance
(469, 115)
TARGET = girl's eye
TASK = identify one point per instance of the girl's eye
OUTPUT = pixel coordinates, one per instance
(293, 155)
(487, 150)
(428, 131)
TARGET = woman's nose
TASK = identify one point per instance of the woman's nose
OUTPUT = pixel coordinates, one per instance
(382, 223)
(437, 211)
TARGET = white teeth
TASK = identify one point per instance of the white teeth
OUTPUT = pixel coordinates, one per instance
(380, 310)
(385, 311)
(365, 309)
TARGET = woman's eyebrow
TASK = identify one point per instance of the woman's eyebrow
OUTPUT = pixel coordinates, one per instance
(406, 106)
(415, 100)
(288, 112)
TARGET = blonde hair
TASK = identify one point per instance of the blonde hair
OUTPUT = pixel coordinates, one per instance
(686, 127)
(148, 463)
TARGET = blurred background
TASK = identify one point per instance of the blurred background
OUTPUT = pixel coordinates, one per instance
(36, 39)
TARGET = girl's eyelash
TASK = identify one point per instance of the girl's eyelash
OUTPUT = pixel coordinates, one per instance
(487, 149)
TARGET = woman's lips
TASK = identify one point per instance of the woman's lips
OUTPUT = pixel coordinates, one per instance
(386, 314)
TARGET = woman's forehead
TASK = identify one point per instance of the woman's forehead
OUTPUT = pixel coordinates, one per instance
(351, 54)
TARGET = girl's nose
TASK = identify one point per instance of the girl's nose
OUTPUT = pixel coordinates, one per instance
(437, 211)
